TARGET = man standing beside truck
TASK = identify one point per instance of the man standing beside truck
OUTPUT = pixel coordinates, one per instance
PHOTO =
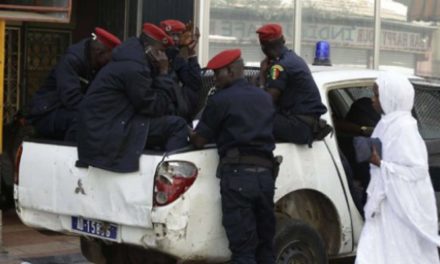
(239, 118)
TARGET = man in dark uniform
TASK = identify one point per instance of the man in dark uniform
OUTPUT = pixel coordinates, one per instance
(185, 68)
(239, 118)
(54, 107)
(130, 100)
(287, 78)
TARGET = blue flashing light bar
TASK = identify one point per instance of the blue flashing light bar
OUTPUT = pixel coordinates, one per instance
(322, 54)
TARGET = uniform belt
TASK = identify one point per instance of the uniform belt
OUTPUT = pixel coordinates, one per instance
(248, 160)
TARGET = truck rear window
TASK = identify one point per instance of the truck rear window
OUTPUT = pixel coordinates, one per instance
(426, 105)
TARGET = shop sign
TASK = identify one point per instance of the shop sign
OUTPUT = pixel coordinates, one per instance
(338, 35)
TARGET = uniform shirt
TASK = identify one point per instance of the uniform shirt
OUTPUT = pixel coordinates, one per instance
(240, 116)
(299, 93)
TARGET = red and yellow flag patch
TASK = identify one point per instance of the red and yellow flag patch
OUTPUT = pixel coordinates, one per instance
(275, 71)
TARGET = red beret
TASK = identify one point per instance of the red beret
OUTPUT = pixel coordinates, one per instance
(106, 38)
(158, 34)
(223, 59)
(172, 26)
(270, 32)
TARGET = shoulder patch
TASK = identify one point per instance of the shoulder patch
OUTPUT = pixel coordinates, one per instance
(275, 71)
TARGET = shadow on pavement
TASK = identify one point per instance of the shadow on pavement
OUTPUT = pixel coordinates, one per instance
(64, 259)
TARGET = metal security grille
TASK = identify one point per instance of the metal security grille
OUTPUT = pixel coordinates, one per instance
(43, 48)
(12, 73)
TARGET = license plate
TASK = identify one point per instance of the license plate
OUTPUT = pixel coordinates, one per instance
(95, 228)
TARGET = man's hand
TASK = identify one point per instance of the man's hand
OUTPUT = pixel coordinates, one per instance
(375, 158)
(160, 60)
(184, 52)
(197, 140)
(195, 40)
(264, 66)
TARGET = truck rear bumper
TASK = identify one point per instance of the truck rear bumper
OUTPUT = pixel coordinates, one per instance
(63, 224)
(166, 237)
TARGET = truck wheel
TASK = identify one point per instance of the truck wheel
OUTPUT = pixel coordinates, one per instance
(7, 182)
(296, 242)
(91, 249)
(128, 254)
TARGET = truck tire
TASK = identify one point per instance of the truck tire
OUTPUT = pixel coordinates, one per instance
(92, 250)
(7, 182)
(297, 242)
(128, 254)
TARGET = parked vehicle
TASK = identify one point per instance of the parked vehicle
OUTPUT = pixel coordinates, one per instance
(172, 204)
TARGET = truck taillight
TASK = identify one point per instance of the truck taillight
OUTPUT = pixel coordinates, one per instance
(172, 179)
(17, 163)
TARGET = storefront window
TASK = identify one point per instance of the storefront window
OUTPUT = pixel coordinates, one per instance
(346, 24)
(410, 31)
(57, 11)
(233, 24)
(410, 37)
(46, 3)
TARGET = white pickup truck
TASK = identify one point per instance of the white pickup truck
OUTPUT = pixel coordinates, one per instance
(172, 204)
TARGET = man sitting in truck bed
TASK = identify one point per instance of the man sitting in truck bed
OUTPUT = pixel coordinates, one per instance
(129, 106)
(287, 78)
(54, 107)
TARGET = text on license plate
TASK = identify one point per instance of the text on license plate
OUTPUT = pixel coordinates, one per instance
(94, 227)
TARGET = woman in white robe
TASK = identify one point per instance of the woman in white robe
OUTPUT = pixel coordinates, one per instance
(400, 213)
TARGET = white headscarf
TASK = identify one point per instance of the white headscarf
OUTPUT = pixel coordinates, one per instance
(396, 93)
(397, 129)
(403, 178)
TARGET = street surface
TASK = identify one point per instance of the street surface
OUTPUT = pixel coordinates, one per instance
(23, 245)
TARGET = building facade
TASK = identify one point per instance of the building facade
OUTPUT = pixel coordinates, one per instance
(33, 49)
(402, 35)
(350, 26)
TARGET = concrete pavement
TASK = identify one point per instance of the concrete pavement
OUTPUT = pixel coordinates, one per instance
(22, 244)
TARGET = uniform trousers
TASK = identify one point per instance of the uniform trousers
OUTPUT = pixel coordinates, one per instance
(167, 133)
(291, 129)
(247, 193)
(55, 124)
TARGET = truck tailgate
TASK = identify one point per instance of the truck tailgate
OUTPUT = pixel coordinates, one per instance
(50, 183)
